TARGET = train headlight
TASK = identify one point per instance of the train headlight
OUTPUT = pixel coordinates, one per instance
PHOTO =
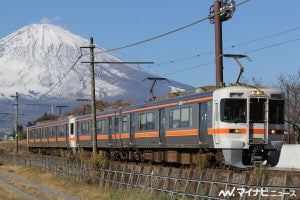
(257, 92)
(235, 131)
(273, 131)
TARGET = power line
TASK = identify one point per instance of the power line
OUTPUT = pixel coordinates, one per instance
(137, 43)
(170, 32)
(212, 61)
(229, 47)
(60, 80)
(273, 45)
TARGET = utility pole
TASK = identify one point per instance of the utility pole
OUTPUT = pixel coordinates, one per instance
(93, 99)
(222, 10)
(16, 121)
(218, 45)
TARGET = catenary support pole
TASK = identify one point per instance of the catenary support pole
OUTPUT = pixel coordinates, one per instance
(218, 44)
(93, 99)
(16, 121)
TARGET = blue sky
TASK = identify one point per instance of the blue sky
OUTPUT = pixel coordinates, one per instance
(268, 31)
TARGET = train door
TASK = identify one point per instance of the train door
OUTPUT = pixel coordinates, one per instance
(132, 128)
(72, 134)
(203, 122)
(116, 133)
(162, 122)
(258, 118)
(110, 131)
(216, 122)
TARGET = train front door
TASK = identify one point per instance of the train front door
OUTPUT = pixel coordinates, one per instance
(258, 118)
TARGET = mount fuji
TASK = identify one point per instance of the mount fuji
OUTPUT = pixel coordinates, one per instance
(43, 63)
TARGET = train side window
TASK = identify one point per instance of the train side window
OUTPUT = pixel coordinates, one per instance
(180, 117)
(54, 131)
(85, 128)
(124, 124)
(101, 127)
(146, 121)
(72, 129)
(116, 125)
(62, 130)
(38, 134)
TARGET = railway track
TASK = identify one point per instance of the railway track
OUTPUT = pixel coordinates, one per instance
(24, 188)
(176, 182)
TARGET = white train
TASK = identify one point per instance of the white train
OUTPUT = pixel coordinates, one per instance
(245, 124)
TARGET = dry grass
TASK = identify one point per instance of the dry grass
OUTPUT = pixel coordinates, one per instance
(10, 146)
(70, 186)
(10, 194)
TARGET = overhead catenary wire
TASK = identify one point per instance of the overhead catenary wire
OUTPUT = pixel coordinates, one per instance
(60, 80)
(138, 43)
(213, 60)
(170, 32)
(228, 47)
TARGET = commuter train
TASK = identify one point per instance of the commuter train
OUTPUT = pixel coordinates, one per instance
(243, 124)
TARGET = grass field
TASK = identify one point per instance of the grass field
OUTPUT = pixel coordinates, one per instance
(75, 188)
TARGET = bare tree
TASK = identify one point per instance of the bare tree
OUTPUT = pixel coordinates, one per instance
(291, 85)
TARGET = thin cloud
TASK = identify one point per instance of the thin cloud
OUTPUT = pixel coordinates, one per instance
(45, 21)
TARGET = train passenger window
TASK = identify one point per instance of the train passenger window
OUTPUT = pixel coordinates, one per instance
(72, 128)
(53, 132)
(146, 121)
(233, 110)
(124, 124)
(62, 130)
(38, 134)
(180, 117)
(85, 128)
(101, 127)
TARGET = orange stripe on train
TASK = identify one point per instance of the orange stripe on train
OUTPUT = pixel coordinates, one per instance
(182, 133)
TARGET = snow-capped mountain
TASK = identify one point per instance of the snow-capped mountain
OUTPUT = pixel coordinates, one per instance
(44, 62)
(37, 57)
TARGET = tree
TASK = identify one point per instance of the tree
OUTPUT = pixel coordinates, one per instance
(291, 85)
(47, 117)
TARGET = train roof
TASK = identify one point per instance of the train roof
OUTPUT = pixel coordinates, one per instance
(44, 123)
(195, 93)
(173, 97)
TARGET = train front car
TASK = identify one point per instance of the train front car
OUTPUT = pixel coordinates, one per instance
(248, 124)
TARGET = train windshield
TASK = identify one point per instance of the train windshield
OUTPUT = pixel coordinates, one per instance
(257, 110)
(276, 111)
(233, 110)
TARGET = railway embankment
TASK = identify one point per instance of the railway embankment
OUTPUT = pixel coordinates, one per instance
(175, 182)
